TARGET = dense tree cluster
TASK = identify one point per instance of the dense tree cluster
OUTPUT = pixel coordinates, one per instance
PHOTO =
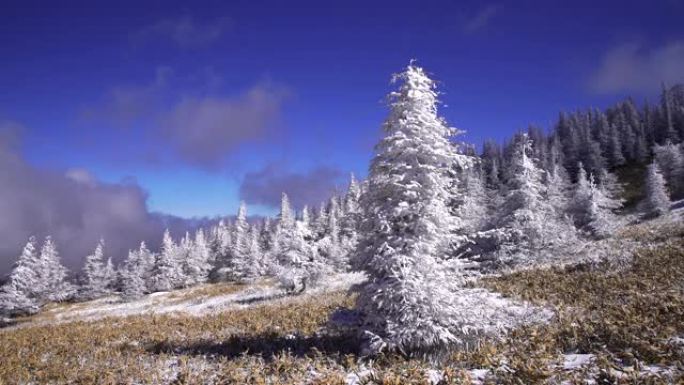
(429, 213)
(297, 249)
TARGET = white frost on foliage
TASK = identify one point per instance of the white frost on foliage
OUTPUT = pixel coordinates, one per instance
(408, 302)
(657, 200)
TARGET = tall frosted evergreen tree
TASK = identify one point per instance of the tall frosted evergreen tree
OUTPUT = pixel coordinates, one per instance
(95, 282)
(657, 198)
(670, 160)
(53, 272)
(286, 216)
(527, 218)
(472, 202)
(197, 263)
(110, 275)
(241, 243)
(167, 273)
(407, 304)
(592, 208)
(23, 291)
(133, 273)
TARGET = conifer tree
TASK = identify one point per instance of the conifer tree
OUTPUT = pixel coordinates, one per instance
(352, 213)
(265, 235)
(285, 217)
(133, 274)
(14, 302)
(197, 265)
(408, 303)
(95, 283)
(305, 217)
(527, 218)
(593, 211)
(558, 189)
(257, 265)
(240, 250)
(320, 226)
(670, 161)
(23, 292)
(53, 273)
(166, 274)
(110, 276)
(147, 261)
(657, 199)
(614, 150)
(472, 202)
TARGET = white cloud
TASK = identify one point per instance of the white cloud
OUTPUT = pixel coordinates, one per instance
(632, 67)
(204, 130)
(74, 207)
(482, 18)
(189, 117)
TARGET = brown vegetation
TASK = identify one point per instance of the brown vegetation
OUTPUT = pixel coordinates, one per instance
(626, 318)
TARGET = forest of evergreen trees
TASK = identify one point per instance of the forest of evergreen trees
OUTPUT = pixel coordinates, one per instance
(430, 212)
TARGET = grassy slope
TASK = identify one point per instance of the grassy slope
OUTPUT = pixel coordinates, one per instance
(624, 318)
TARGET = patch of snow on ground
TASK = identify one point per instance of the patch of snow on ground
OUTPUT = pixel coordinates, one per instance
(477, 376)
(485, 313)
(576, 361)
(357, 378)
(434, 377)
(167, 302)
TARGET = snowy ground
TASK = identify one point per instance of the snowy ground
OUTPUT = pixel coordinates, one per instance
(265, 292)
(502, 313)
(489, 313)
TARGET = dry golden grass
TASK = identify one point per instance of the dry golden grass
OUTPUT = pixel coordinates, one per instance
(624, 318)
(653, 232)
(120, 350)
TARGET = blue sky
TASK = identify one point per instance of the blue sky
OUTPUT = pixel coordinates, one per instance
(205, 104)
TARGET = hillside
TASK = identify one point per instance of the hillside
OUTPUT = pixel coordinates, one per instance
(614, 321)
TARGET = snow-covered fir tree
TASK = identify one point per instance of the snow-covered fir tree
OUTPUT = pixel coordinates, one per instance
(255, 263)
(95, 281)
(330, 245)
(529, 222)
(348, 228)
(53, 273)
(407, 304)
(133, 273)
(295, 257)
(593, 211)
(305, 217)
(670, 159)
(239, 264)
(286, 218)
(196, 265)
(265, 234)
(320, 225)
(221, 244)
(472, 201)
(14, 302)
(110, 275)
(657, 200)
(611, 186)
(167, 273)
(25, 287)
(558, 189)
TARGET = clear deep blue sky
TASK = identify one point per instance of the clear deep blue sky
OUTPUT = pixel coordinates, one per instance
(196, 99)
